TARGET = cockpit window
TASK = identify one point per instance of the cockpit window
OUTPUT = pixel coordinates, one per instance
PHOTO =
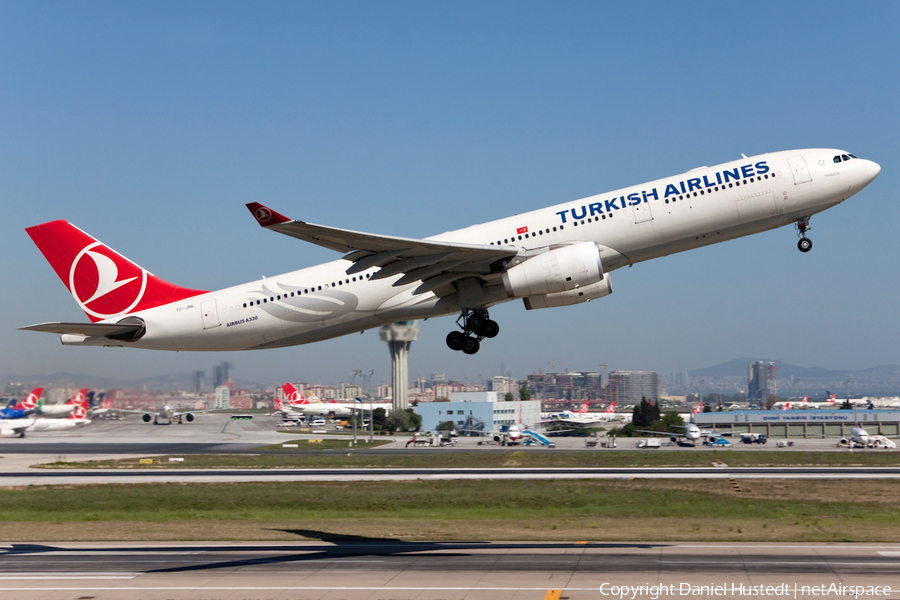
(837, 158)
(851, 156)
(845, 156)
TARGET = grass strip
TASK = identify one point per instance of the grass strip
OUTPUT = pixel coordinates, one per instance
(496, 458)
(638, 510)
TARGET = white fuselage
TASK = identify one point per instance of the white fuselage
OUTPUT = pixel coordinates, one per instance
(701, 207)
(42, 424)
(56, 410)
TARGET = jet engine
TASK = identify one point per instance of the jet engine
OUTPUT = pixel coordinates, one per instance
(147, 417)
(576, 296)
(189, 417)
(560, 270)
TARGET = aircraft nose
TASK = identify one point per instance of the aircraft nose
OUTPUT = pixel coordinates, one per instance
(873, 168)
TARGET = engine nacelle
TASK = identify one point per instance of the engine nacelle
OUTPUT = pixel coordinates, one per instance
(189, 417)
(555, 271)
(147, 417)
(577, 296)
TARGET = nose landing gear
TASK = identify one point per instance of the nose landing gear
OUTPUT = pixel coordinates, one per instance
(805, 244)
(476, 326)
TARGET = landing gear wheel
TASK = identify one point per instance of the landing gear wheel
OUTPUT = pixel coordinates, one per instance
(805, 244)
(475, 322)
(456, 340)
(471, 346)
(490, 329)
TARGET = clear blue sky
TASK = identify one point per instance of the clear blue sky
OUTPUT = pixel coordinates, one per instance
(151, 124)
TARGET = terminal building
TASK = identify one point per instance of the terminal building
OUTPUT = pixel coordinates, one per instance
(800, 424)
(479, 412)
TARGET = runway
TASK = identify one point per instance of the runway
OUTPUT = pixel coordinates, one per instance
(348, 567)
(23, 477)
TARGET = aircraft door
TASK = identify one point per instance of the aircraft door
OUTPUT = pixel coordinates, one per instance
(210, 314)
(642, 212)
(798, 168)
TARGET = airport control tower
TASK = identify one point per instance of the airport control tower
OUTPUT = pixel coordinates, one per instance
(399, 336)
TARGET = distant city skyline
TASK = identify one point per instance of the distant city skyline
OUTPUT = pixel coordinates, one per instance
(151, 125)
(727, 378)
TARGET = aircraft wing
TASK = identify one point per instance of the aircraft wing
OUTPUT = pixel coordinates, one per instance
(666, 433)
(435, 263)
(96, 329)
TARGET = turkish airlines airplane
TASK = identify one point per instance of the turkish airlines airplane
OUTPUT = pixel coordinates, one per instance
(551, 257)
(63, 410)
(296, 401)
(24, 407)
(78, 418)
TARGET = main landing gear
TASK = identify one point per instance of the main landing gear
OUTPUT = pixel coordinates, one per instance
(476, 325)
(805, 244)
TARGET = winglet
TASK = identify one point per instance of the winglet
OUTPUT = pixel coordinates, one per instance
(265, 216)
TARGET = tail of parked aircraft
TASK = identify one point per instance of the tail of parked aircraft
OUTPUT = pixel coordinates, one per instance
(584, 408)
(30, 401)
(79, 414)
(79, 399)
(611, 408)
(104, 283)
(294, 397)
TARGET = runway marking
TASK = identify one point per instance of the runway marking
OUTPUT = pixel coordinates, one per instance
(888, 553)
(553, 594)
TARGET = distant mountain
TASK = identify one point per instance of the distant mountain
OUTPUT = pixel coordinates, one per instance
(738, 368)
(792, 379)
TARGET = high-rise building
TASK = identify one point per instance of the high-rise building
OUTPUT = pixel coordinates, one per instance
(199, 381)
(761, 385)
(222, 373)
(223, 397)
(629, 387)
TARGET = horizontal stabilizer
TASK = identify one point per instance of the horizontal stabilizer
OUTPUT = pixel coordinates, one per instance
(90, 329)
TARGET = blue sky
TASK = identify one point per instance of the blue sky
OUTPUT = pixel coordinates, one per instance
(150, 125)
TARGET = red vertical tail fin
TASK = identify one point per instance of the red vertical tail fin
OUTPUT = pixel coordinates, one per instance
(79, 414)
(30, 401)
(294, 397)
(104, 283)
(79, 398)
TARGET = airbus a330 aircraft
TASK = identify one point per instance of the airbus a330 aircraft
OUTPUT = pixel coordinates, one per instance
(551, 257)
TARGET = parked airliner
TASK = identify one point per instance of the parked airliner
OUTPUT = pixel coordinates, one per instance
(550, 257)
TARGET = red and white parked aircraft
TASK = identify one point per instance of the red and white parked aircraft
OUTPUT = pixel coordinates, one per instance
(551, 257)
(63, 410)
(78, 418)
